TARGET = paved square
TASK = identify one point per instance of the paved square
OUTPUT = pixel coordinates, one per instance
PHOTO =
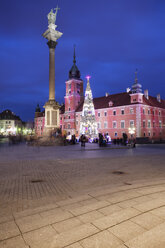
(56, 197)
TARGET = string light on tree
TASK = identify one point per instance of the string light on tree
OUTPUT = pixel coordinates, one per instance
(88, 125)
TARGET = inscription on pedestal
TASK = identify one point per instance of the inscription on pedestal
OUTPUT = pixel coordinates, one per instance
(54, 118)
(48, 117)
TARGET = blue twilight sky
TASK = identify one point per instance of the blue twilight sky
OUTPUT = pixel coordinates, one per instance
(112, 37)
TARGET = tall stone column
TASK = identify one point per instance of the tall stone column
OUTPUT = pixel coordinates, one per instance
(52, 116)
(52, 45)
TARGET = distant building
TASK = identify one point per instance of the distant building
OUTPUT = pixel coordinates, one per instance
(9, 123)
(132, 112)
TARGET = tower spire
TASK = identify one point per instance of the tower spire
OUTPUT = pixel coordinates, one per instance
(136, 79)
(74, 55)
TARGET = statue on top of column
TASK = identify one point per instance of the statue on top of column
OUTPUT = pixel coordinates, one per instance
(52, 16)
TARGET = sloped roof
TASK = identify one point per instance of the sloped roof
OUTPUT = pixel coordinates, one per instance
(121, 99)
(8, 115)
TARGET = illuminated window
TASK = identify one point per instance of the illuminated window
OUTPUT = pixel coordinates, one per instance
(149, 123)
(105, 124)
(114, 124)
(160, 124)
(131, 124)
(98, 125)
(122, 124)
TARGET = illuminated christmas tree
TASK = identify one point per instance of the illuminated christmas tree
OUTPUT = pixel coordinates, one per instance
(88, 125)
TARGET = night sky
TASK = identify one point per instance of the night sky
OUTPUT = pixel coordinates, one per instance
(112, 38)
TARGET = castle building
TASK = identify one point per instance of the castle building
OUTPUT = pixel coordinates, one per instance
(132, 112)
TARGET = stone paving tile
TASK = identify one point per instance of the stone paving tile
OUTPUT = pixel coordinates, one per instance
(103, 239)
(91, 216)
(73, 200)
(142, 199)
(146, 206)
(34, 211)
(147, 220)
(158, 195)
(16, 242)
(160, 212)
(8, 230)
(6, 218)
(151, 189)
(115, 218)
(90, 207)
(154, 238)
(89, 201)
(127, 203)
(126, 230)
(71, 206)
(110, 209)
(75, 245)
(41, 238)
(74, 235)
(122, 196)
(67, 224)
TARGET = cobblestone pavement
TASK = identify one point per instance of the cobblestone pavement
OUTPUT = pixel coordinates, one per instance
(57, 197)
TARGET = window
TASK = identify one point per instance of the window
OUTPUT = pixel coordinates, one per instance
(122, 111)
(68, 109)
(149, 123)
(148, 111)
(115, 134)
(105, 113)
(114, 124)
(153, 112)
(61, 126)
(144, 134)
(153, 124)
(144, 124)
(143, 111)
(131, 111)
(105, 124)
(69, 86)
(61, 118)
(68, 126)
(149, 134)
(131, 124)
(98, 125)
(114, 112)
(160, 124)
(159, 112)
(68, 116)
(122, 124)
(98, 114)
(76, 122)
(153, 134)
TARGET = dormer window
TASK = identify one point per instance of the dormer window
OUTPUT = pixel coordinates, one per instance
(110, 104)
